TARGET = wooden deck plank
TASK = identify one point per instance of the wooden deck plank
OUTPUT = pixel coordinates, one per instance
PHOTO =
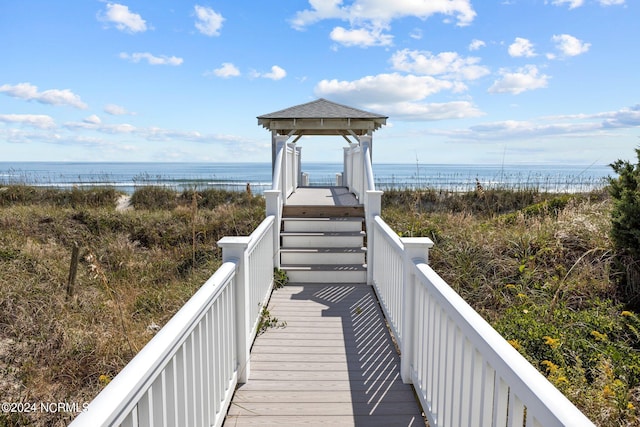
(322, 196)
(315, 396)
(324, 385)
(333, 421)
(334, 363)
(320, 409)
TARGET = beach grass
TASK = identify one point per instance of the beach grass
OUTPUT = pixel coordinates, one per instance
(537, 265)
(137, 268)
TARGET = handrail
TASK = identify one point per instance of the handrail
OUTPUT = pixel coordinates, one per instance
(488, 380)
(276, 182)
(463, 371)
(368, 170)
(187, 373)
(260, 249)
(131, 395)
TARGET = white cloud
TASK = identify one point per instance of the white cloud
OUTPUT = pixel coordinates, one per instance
(227, 70)
(29, 92)
(361, 37)
(382, 12)
(572, 3)
(39, 121)
(448, 64)
(569, 45)
(277, 73)
(417, 111)
(152, 59)
(476, 44)
(524, 79)
(383, 88)
(401, 96)
(208, 21)
(116, 110)
(416, 34)
(118, 128)
(624, 118)
(521, 47)
(610, 2)
(123, 18)
(551, 126)
(93, 119)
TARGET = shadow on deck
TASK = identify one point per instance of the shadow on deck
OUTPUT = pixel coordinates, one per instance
(334, 363)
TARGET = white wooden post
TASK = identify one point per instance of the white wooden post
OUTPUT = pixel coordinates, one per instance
(416, 250)
(346, 173)
(274, 205)
(372, 208)
(298, 166)
(293, 166)
(281, 144)
(234, 249)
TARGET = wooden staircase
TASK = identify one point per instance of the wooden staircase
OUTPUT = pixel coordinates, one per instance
(323, 244)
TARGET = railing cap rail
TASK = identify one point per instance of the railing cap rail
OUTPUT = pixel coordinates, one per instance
(135, 378)
(523, 378)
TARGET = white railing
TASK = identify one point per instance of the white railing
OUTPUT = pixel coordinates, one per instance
(186, 374)
(358, 172)
(463, 371)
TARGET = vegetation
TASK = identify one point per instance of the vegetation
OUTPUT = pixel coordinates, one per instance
(625, 230)
(137, 268)
(539, 267)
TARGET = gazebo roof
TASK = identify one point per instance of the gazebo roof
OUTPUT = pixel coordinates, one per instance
(322, 117)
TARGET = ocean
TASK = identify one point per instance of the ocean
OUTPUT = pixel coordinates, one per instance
(127, 176)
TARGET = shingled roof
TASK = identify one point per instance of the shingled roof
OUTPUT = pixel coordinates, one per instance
(322, 117)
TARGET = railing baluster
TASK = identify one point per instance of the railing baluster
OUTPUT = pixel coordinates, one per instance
(145, 407)
(516, 412)
(500, 402)
(182, 412)
(462, 370)
(170, 392)
(131, 420)
(467, 382)
(487, 394)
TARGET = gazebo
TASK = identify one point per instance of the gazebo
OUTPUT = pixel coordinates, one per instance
(321, 117)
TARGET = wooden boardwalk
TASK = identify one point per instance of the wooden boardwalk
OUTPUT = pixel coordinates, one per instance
(334, 363)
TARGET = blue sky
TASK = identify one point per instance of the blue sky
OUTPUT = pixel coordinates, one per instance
(514, 81)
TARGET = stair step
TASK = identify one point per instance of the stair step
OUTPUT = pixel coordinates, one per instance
(320, 211)
(323, 224)
(344, 273)
(311, 256)
(322, 239)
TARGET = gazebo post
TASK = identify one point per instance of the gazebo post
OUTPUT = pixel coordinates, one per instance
(274, 133)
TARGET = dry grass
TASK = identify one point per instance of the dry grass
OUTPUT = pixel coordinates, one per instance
(137, 268)
(538, 267)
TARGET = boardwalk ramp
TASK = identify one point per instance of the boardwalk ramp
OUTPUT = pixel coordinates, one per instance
(334, 363)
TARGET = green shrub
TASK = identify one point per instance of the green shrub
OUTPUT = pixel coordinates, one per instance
(625, 216)
(625, 227)
(154, 197)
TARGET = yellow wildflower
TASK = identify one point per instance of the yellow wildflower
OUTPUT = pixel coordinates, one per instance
(607, 392)
(630, 406)
(521, 295)
(599, 336)
(552, 342)
(510, 286)
(552, 368)
(626, 313)
(515, 344)
(104, 379)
